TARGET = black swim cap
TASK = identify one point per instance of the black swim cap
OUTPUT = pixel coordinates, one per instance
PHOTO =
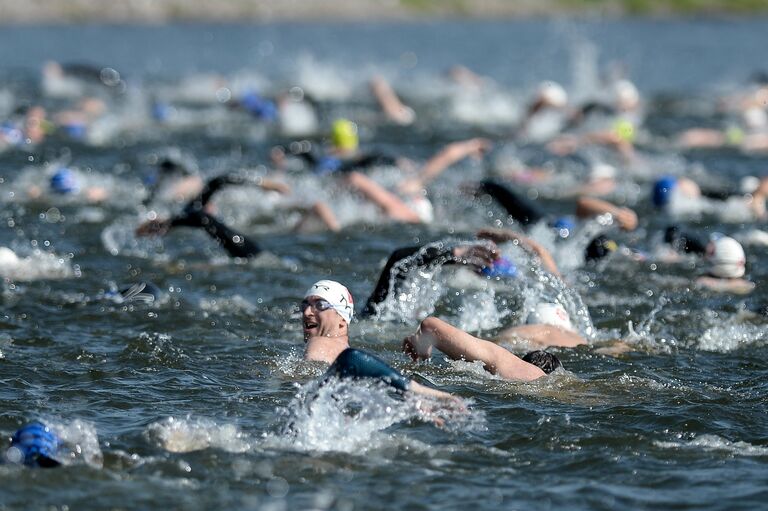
(544, 360)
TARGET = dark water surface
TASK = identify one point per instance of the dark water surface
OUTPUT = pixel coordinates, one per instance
(185, 404)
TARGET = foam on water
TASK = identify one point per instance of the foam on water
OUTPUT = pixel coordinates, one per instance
(732, 335)
(716, 443)
(189, 434)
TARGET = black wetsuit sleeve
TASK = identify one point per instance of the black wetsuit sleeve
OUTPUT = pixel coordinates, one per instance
(366, 161)
(236, 244)
(352, 363)
(429, 256)
(519, 207)
(685, 242)
(216, 184)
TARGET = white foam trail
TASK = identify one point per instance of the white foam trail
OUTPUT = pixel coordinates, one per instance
(717, 443)
(194, 434)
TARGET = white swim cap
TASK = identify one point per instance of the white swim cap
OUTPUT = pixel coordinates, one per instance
(336, 294)
(553, 94)
(8, 257)
(423, 208)
(548, 313)
(755, 118)
(626, 94)
(748, 184)
(602, 171)
(726, 257)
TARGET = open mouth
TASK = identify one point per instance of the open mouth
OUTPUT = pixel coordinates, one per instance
(309, 325)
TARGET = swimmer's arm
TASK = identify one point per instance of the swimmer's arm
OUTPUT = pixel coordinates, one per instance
(392, 205)
(588, 207)
(418, 388)
(390, 104)
(235, 243)
(448, 156)
(459, 345)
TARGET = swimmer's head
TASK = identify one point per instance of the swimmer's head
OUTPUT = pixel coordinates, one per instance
(726, 257)
(549, 313)
(544, 360)
(552, 94)
(35, 445)
(337, 295)
(422, 206)
(563, 226)
(599, 247)
(625, 130)
(602, 171)
(755, 118)
(748, 184)
(344, 135)
(626, 95)
(258, 106)
(662, 191)
(501, 267)
(64, 182)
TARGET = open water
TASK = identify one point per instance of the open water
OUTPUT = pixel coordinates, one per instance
(185, 404)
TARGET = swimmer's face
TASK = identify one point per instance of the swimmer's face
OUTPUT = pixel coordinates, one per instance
(319, 318)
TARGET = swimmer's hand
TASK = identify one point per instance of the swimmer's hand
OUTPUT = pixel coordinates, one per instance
(479, 256)
(411, 186)
(626, 218)
(437, 403)
(153, 228)
(417, 346)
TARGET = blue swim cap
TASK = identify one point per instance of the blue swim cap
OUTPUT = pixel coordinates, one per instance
(37, 444)
(260, 107)
(662, 191)
(64, 181)
(75, 130)
(160, 111)
(564, 226)
(501, 267)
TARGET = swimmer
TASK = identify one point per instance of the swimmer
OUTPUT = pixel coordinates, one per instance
(403, 260)
(67, 183)
(195, 215)
(459, 345)
(673, 193)
(326, 311)
(726, 266)
(34, 445)
(528, 213)
(394, 109)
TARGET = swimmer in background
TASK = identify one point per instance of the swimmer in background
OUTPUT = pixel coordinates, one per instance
(618, 129)
(196, 214)
(678, 193)
(67, 183)
(528, 213)
(410, 204)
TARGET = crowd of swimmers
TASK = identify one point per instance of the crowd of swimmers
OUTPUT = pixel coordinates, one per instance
(610, 123)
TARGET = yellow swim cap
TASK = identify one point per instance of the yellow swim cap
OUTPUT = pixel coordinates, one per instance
(734, 135)
(625, 130)
(344, 134)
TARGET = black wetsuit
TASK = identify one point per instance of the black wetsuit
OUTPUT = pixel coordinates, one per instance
(352, 363)
(684, 242)
(193, 215)
(437, 255)
(325, 164)
(517, 206)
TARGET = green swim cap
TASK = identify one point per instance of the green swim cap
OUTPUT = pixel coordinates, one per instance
(625, 130)
(344, 134)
